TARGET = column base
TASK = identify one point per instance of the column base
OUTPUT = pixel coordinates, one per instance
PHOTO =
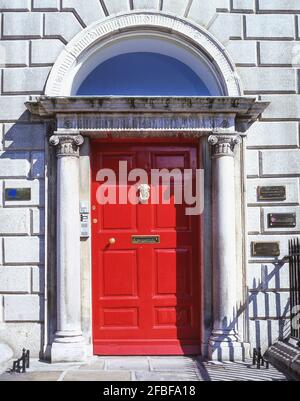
(68, 349)
(227, 347)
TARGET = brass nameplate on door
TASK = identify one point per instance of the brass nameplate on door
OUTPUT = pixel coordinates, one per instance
(145, 239)
(265, 248)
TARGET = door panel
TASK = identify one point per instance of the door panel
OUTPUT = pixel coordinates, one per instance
(146, 297)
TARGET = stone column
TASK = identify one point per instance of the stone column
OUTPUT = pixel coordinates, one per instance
(224, 343)
(68, 344)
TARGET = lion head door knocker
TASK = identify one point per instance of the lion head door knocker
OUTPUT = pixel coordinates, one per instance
(144, 193)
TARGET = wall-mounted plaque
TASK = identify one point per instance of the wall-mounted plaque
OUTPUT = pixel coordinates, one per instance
(145, 239)
(265, 248)
(282, 220)
(18, 194)
(275, 193)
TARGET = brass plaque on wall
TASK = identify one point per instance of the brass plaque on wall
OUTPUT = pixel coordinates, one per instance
(265, 248)
(145, 239)
(274, 193)
(18, 194)
(282, 220)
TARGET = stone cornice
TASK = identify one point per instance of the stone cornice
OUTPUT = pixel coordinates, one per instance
(244, 108)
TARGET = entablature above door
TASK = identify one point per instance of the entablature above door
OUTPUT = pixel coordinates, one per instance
(149, 115)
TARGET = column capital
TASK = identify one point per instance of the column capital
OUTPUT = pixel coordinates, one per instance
(223, 144)
(67, 144)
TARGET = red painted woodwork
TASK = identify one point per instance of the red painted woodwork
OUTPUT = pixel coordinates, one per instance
(146, 298)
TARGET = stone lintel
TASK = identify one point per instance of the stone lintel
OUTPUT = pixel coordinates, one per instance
(245, 108)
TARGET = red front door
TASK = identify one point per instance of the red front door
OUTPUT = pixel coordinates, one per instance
(146, 297)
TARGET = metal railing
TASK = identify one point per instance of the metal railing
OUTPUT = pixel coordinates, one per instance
(294, 269)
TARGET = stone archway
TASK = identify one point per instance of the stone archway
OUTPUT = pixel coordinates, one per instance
(77, 51)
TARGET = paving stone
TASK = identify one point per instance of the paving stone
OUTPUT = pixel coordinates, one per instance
(171, 364)
(97, 364)
(27, 377)
(200, 371)
(165, 376)
(37, 365)
(239, 372)
(127, 364)
(97, 376)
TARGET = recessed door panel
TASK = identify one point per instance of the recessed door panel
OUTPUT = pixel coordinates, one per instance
(119, 273)
(173, 272)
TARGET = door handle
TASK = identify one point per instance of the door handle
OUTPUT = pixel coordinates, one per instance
(112, 241)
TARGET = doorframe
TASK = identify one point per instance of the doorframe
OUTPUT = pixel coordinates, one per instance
(212, 121)
(87, 263)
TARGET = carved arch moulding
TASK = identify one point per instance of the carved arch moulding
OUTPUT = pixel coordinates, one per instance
(179, 28)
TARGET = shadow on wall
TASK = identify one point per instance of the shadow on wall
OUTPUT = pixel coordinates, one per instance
(22, 165)
(273, 324)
